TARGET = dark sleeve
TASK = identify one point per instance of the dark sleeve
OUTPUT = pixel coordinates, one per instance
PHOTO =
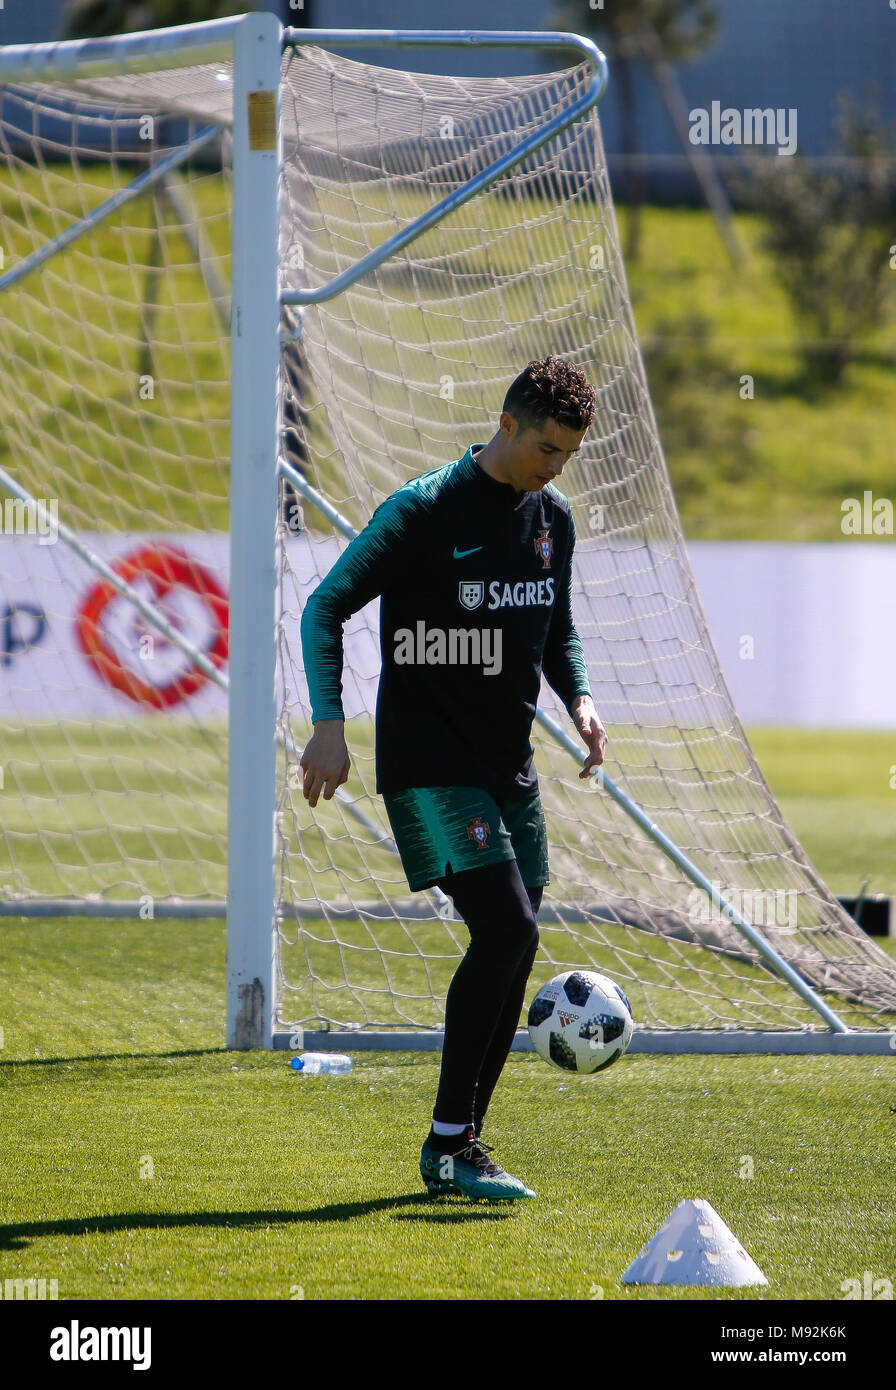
(374, 560)
(563, 664)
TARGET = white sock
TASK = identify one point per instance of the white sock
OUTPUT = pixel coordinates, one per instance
(439, 1128)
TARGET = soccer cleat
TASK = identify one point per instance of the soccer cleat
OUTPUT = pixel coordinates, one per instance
(468, 1171)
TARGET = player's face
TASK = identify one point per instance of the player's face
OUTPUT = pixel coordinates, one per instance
(537, 455)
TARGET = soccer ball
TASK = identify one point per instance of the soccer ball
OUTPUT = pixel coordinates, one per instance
(581, 1021)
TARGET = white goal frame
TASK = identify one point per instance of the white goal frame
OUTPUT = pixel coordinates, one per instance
(256, 42)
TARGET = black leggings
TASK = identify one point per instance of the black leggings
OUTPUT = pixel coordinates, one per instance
(485, 997)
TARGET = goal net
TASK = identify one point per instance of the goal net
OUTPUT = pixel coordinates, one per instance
(115, 199)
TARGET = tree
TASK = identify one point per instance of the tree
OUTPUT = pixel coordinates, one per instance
(633, 30)
(87, 19)
(829, 230)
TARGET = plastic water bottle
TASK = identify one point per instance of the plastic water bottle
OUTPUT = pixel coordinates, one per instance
(312, 1063)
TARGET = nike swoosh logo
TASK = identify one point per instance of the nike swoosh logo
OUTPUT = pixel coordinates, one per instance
(459, 554)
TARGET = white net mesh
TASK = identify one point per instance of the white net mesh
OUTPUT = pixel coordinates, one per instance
(115, 402)
(397, 375)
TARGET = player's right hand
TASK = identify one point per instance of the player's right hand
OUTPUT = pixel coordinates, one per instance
(325, 762)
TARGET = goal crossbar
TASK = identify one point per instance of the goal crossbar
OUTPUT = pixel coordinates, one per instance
(76, 59)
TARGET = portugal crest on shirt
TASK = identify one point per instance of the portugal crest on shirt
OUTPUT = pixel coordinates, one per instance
(544, 547)
(471, 592)
(479, 831)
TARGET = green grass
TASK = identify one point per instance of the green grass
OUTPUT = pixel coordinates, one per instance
(776, 467)
(156, 830)
(834, 787)
(161, 786)
(131, 461)
(264, 1183)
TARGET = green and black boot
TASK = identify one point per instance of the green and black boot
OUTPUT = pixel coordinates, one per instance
(460, 1163)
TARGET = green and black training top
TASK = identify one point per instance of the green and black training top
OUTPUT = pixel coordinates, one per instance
(475, 582)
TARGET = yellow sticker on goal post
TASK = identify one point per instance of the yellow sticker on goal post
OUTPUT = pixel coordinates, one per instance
(262, 121)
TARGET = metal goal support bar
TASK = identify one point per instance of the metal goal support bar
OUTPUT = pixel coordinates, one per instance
(157, 173)
(665, 1042)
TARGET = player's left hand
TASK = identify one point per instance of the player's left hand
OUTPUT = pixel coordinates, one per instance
(595, 736)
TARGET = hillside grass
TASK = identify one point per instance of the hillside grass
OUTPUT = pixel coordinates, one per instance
(777, 466)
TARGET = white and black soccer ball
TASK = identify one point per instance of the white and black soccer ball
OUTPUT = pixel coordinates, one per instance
(581, 1021)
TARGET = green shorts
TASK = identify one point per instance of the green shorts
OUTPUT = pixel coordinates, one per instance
(445, 830)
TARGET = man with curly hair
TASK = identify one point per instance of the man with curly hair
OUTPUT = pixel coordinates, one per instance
(486, 542)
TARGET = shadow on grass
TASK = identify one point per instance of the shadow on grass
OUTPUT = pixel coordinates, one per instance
(17, 1235)
(112, 1057)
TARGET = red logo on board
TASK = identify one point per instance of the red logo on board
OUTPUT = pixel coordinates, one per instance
(113, 634)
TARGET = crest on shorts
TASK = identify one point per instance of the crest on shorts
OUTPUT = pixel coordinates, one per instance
(471, 593)
(544, 547)
(479, 830)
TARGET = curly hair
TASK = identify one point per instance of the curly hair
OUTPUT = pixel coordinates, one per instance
(551, 389)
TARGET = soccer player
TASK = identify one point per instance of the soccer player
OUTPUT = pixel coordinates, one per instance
(473, 563)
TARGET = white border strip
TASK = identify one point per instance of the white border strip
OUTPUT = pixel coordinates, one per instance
(659, 1043)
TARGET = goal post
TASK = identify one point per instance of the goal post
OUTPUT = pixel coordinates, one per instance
(254, 447)
(229, 241)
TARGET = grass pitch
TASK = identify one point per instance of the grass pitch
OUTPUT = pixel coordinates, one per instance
(141, 1160)
(195, 1174)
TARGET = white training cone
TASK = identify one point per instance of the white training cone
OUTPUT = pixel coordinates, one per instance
(694, 1246)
